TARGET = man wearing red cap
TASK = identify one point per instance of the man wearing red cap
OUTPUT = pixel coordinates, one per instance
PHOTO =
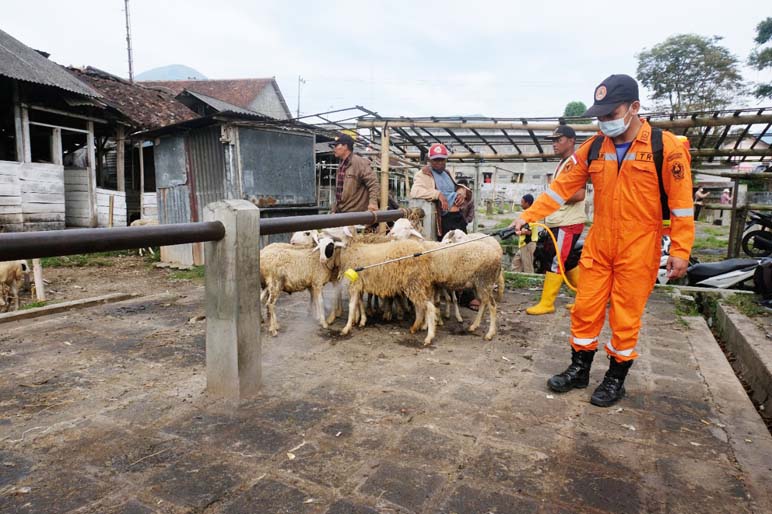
(638, 173)
(434, 184)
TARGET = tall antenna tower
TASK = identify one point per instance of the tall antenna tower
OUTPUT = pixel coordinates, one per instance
(128, 42)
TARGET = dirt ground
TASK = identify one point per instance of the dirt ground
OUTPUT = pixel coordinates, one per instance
(105, 410)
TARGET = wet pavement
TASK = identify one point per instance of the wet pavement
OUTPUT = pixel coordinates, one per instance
(105, 411)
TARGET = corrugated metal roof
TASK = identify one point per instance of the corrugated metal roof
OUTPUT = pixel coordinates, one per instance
(20, 62)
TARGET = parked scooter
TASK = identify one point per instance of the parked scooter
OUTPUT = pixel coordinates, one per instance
(728, 274)
(758, 242)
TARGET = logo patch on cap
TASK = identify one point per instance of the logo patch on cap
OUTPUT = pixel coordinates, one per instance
(600, 93)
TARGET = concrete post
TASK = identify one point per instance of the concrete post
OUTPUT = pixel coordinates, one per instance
(233, 301)
(430, 217)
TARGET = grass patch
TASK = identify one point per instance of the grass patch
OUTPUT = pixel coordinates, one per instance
(710, 243)
(197, 273)
(33, 305)
(504, 223)
(712, 230)
(685, 307)
(746, 304)
(518, 281)
(100, 259)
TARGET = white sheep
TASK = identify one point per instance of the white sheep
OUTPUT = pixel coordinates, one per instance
(305, 238)
(12, 274)
(290, 268)
(142, 222)
(409, 277)
(455, 236)
(475, 264)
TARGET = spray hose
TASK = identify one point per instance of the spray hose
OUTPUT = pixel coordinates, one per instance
(557, 251)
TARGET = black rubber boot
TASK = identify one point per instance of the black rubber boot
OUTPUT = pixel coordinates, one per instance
(612, 389)
(577, 375)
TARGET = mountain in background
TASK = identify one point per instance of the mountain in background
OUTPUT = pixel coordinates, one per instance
(171, 72)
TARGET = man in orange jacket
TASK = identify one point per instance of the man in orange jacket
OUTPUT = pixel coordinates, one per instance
(621, 254)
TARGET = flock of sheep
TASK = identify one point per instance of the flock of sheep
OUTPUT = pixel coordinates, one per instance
(312, 259)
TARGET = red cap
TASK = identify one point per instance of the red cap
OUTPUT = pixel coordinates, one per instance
(438, 151)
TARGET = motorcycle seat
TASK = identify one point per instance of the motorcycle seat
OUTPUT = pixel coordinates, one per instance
(702, 271)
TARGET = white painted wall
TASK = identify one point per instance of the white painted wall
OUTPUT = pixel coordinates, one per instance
(103, 207)
(150, 206)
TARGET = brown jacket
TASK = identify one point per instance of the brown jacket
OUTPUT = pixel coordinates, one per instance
(360, 187)
(424, 188)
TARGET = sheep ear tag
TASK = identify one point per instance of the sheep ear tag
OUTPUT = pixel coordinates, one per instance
(351, 275)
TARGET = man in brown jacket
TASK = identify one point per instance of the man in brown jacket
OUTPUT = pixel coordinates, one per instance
(356, 186)
(434, 184)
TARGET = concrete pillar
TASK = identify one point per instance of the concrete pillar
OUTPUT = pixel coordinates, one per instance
(430, 217)
(120, 158)
(233, 301)
(92, 180)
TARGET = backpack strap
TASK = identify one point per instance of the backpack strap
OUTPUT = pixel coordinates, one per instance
(657, 155)
(597, 142)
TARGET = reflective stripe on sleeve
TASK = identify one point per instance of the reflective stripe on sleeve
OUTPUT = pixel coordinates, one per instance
(682, 212)
(552, 194)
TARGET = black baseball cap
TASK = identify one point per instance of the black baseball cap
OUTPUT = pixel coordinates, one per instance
(562, 130)
(343, 139)
(615, 90)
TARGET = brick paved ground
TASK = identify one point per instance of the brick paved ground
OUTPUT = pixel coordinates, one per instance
(104, 411)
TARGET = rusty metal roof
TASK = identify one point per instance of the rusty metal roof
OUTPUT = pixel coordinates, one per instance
(20, 62)
(145, 108)
(239, 92)
(190, 98)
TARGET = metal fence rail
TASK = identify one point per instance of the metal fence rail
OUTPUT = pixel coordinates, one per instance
(52, 243)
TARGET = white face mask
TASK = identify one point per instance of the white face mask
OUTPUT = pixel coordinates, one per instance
(616, 127)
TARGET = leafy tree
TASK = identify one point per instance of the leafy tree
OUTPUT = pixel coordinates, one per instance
(688, 72)
(574, 109)
(761, 58)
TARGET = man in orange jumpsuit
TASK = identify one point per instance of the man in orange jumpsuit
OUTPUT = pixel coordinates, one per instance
(621, 254)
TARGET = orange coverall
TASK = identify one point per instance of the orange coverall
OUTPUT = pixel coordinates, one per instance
(622, 251)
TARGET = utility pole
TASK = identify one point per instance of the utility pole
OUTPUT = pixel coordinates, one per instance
(128, 41)
(301, 80)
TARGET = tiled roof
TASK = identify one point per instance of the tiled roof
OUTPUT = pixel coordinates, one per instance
(146, 107)
(239, 92)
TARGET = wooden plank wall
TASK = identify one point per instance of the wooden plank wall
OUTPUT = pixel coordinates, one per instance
(150, 206)
(76, 197)
(103, 207)
(31, 196)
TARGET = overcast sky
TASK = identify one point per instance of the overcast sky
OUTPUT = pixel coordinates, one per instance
(495, 58)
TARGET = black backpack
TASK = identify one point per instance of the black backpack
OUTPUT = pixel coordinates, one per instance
(656, 150)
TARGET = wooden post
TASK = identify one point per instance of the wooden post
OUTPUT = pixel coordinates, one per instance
(141, 182)
(384, 173)
(91, 173)
(735, 229)
(476, 193)
(18, 125)
(27, 153)
(56, 146)
(233, 368)
(40, 287)
(120, 158)
(110, 211)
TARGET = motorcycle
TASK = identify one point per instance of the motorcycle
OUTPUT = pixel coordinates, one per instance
(728, 274)
(758, 243)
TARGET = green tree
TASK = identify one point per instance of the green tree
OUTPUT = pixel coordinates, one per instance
(688, 72)
(575, 109)
(761, 58)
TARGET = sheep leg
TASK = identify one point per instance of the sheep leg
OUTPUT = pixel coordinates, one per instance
(15, 295)
(316, 294)
(431, 317)
(455, 307)
(337, 303)
(387, 314)
(491, 319)
(501, 286)
(478, 319)
(398, 306)
(447, 299)
(363, 313)
(273, 323)
(420, 314)
(353, 308)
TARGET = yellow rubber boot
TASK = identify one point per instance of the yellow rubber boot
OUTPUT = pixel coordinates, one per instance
(573, 277)
(549, 293)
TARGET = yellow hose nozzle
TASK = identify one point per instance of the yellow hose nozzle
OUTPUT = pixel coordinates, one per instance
(351, 275)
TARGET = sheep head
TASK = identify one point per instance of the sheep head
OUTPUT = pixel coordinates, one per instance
(403, 229)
